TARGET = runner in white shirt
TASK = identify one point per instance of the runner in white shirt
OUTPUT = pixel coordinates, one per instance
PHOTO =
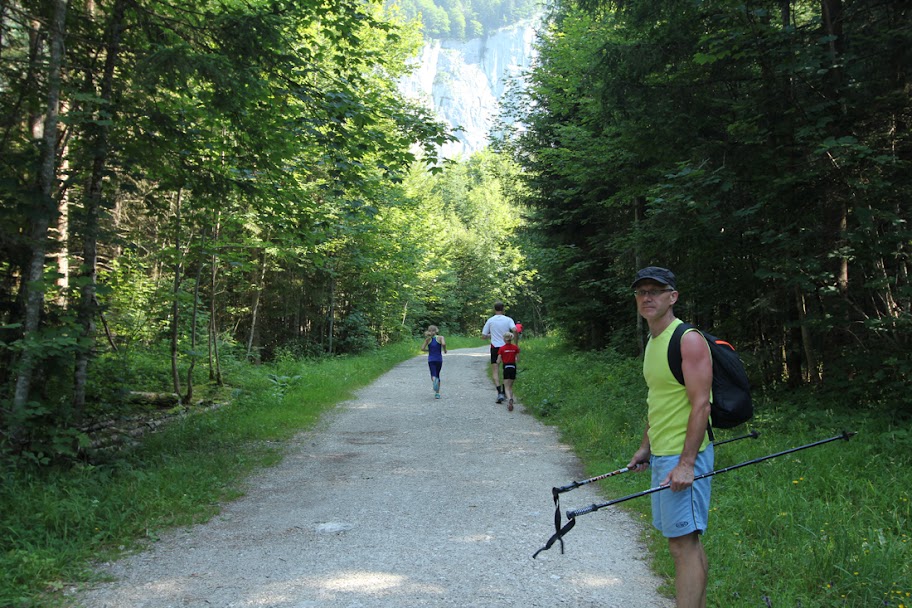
(493, 330)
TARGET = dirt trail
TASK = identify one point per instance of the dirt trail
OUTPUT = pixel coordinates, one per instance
(399, 500)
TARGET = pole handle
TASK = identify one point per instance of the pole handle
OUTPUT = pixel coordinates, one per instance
(576, 484)
(572, 513)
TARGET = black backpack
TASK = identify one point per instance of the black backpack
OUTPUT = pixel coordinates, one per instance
(731, 404)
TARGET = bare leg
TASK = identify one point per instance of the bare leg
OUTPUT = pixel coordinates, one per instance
(508, 388)
(508, 393)
(495, 375)
(691, 570)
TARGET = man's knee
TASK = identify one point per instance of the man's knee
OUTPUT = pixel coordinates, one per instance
(685, 546)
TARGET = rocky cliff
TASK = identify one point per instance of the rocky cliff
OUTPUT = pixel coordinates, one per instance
(464, 82)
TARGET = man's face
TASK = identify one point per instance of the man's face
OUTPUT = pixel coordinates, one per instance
(654, 299)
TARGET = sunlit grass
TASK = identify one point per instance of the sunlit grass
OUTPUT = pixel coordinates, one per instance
(828, 526)
(454, 342)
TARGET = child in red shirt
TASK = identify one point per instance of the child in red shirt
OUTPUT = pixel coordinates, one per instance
(508, 355)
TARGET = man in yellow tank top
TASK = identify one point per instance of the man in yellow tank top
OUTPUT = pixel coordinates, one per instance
(675, 443)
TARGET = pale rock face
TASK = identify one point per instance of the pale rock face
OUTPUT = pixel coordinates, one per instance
(464, 82)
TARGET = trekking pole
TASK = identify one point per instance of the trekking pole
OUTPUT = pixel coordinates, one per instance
(751, 435)
(576, 484)
(573, 513)
(556, 492)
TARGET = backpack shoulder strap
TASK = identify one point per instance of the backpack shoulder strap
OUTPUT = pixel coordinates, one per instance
(674, 360)
(674, 351)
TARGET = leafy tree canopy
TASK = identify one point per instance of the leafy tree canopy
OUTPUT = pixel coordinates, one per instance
(762, 151)
(465, 19)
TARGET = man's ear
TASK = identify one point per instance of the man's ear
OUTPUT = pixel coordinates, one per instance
(674, 297)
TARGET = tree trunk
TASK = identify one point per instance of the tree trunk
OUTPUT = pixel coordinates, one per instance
(810, 355)
(194, 316)
(792, 347)
(107, 329)
(40, 223)
(903, 275)
(331, 320)
(161, 400)
(63, 237)
(299, 305)
(215, 368)
(93, 204)
(175, 294)
(831, 15)
(638, 211)
(4, 9)
(256, 305)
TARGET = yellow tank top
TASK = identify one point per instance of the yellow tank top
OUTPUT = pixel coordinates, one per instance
(669, 407)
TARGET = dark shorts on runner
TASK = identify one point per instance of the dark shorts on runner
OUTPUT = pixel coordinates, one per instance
(509, 371)
(494, 351)
(435, 367)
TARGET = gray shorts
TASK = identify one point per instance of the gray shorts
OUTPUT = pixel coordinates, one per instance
(680, 513)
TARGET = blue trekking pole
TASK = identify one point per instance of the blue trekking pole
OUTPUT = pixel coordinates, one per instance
(573, 513)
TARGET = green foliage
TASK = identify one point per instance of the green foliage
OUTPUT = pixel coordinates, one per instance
(827, 526)
(240, 180)
(136, 304)
(467, 230)
(236, 172)
(45, 438)
(748, 148)
(464, 19)
(354, 334)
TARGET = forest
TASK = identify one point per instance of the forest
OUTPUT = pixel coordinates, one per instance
(183, 183)
(465, 19)
(759, 149)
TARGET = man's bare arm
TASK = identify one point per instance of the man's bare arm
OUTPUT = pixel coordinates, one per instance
(696, 365)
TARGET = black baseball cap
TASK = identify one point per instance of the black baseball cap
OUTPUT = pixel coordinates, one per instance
(659, 275)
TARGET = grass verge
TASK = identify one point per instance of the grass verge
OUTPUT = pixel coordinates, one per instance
(823, 527)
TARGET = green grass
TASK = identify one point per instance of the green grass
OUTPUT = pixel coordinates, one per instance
(56, 521)
(823, 527)
(454, 342)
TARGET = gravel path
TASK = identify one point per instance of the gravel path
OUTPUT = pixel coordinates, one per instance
(399, 500)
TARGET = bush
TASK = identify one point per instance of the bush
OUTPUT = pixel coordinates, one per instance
(355, 335)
